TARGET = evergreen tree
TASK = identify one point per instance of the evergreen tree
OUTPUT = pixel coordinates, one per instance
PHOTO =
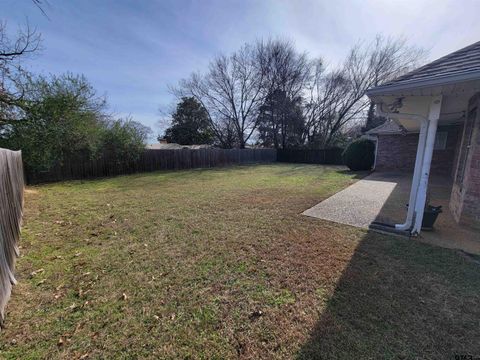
(190, 124)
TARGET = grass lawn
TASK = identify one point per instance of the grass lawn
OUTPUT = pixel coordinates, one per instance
(220, 264)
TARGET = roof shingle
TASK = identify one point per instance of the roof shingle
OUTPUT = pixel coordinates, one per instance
(461, 62)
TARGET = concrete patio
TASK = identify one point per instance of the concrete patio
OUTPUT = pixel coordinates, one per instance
(382, 197)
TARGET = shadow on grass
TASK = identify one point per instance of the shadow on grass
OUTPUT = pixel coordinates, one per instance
(400, 299)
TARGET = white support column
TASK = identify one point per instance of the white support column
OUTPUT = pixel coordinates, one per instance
(433, 116)
(416, 176)
(376, 154)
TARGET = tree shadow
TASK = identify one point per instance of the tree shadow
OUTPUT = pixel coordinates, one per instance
(399, 298)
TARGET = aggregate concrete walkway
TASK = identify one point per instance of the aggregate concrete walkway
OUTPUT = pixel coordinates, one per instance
(382, 197)
(358, 205)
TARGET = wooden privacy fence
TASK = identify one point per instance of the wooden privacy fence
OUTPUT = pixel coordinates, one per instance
(151, 160)
(11, 210)
(311, 156)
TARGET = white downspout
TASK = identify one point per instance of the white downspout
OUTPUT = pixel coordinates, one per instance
(416, 177)
(433, 116)
(418, 163)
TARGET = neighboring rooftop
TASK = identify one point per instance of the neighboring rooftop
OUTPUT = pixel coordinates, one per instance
(462, 64)
(389, 127)
(174, 146)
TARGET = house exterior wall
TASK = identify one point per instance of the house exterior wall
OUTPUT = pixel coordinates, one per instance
(465, 197)
(397, 152)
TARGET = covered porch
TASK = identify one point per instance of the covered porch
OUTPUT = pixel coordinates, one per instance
(383, 196)
(447, 231)
(443, 93)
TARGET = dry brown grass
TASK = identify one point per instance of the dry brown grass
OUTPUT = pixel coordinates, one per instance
(220, 264)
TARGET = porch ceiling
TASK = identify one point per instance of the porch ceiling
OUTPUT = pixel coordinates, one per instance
(417, 101)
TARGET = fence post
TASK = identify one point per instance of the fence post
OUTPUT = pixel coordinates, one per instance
(11, 210)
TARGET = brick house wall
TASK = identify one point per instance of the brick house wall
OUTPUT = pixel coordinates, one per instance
(397, 152)
(465, 197)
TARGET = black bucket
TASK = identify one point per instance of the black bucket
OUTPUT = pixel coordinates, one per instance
(430, 216)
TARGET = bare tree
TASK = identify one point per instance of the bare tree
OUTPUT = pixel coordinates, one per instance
(388, 59)
(40, 5)
(337, 98)
(284, 68)
(12, 76)
(330, 106)
(286, 73)
(231, 91)
(264, 82)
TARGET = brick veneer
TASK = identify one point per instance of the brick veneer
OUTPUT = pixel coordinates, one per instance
(465, 198)
(398, 152)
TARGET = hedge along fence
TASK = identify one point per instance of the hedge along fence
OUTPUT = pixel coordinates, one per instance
(150, 160)
(331, 156)
(11, 210)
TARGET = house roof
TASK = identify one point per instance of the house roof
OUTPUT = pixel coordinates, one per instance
(389, 127)
(461, 65)
(174, 146)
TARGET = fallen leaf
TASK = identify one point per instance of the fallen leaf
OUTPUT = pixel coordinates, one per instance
(71, 307)
(36, 272)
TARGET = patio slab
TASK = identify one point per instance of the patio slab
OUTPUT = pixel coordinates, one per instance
(382, 197)
(358, 205)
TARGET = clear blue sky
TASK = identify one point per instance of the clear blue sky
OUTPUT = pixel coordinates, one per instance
(132, 50)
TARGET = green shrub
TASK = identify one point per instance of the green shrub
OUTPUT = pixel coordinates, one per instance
(359, 155)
